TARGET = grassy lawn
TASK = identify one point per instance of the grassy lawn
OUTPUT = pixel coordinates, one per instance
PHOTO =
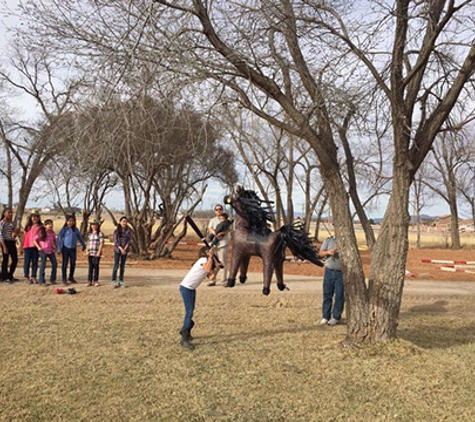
(114, 355)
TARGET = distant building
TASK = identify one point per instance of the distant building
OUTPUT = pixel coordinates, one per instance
(444, 223)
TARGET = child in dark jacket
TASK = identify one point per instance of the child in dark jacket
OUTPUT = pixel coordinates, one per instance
(122, 241)
(67, 245)
(222, 227)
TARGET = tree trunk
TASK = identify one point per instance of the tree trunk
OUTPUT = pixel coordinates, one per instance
(417, 215)
(163, 233)
(25, 190)
(454, 223)
(373, 311)
(318, 219)
(356, 292)
(388, 263)
(85, 222)
(472, 204)
(418, 242)
(165, 249)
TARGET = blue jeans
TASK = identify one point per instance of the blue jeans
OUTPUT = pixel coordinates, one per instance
(333, 286)
(119, 259)
(54, 266)
(31, 257)
(189, 299)
(68, 254)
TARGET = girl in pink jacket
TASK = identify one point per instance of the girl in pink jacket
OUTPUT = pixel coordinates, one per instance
(30, 252)
(45, 241)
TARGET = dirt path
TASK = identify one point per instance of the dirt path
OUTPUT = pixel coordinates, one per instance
(170, 279)
(423, 277)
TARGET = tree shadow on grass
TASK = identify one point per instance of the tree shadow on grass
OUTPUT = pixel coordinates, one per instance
(436, 337)
(437, 307)
(426, 326)
(220, 337)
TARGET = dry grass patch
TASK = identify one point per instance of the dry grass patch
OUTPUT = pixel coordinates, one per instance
(108, 354)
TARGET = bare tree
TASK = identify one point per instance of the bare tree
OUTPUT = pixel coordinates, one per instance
(466, 172)
(304, 66)
(467, 186)
(237, 47)
(421, 194)
(32, 146)
(161, 156)
(443, 180)
(6, 169)
(280, 165)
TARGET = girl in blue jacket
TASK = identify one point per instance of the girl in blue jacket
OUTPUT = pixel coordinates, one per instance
(67, 244)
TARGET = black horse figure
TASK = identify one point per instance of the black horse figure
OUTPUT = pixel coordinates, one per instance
(252, 236)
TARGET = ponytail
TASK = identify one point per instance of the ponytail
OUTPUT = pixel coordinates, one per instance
(42, 233)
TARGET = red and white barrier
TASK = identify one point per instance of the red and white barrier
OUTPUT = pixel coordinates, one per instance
(109, 242)
(441, 261)
(459, 266)
(453, 266)
(454, 269)
(188, 243)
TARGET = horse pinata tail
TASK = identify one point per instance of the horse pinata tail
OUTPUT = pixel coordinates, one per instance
(300, 245)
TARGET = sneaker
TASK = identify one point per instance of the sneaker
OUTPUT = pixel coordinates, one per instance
(34, 280)
(72, 280)
(53, 282)
(333, 321)
(65, 283)
(27, 280)
(88, 284)
(114, 285)
(324, 321)
(96, 284)
(212, 283)
(122, 285)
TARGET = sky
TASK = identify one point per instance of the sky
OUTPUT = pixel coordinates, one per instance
(5, 4)
(215, 191)
(214, 195)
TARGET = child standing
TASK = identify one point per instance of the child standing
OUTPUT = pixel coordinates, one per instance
(122, 240)
(8, 236)
(30, 252)
(45, 241)
(95, 243)
(67, 245)
(201, 268)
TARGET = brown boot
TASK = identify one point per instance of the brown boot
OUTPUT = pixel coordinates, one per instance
(185, 339)
(182, 332)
